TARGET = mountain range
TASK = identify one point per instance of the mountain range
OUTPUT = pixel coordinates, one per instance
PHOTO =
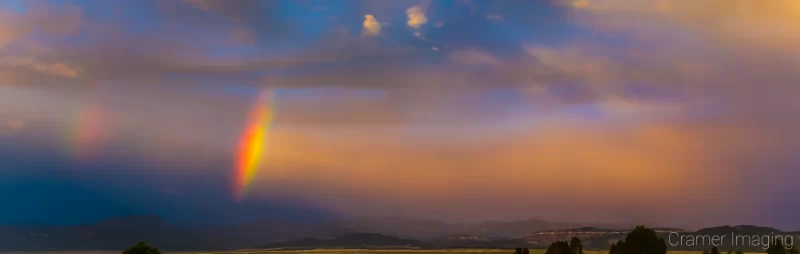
(366, 232)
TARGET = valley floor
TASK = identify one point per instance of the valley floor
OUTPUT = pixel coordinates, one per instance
(363, 251)
(346, 251)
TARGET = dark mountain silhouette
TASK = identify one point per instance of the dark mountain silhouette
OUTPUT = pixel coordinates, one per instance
(509, 229)
(357, 240)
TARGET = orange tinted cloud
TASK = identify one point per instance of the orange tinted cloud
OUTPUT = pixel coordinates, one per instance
(49, 68)
(371, 26)
(730, 23)
(416, 16)
(563, 158)
(23, 59)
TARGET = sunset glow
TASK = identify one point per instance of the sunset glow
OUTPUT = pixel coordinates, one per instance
(231, 111)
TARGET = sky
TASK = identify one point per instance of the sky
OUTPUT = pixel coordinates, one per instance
(657, 112)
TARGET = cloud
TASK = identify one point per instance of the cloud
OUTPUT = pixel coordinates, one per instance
(416, 16)
(49, 68)
(48, 20)
(597, 69)
(242, 36)
(7, 31)
(23, 59)
(206, 5)
(613, 5)
(580, 4)
(248, 22)
(655, 158)
(495, 17)
(709, 44)
(681, 87)
(11, 125)
(238, 12)
(243, 14)
(474, 57)
(371, 26)
(725, 23)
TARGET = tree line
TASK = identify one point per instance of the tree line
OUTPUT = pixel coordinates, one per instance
(642, 240)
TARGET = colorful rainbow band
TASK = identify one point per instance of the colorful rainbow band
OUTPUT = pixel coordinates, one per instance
(252, 143)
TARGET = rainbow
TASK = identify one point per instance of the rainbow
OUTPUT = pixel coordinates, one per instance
(86, 131)
(250, 151)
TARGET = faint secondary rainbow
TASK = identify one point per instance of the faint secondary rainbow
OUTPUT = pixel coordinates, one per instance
(252, 143)
(86, 131)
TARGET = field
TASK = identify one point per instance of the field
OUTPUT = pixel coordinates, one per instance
(362, 251)
(344, 251)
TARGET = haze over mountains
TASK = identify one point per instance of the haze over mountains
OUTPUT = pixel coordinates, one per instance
(369, 232)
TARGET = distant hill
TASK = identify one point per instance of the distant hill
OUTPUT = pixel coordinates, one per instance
(307, 242)
(357, 240)
(474, 242)
(739, 230)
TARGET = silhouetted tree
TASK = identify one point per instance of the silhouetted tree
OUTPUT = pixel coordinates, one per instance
(617, 248)
(739, 252)
(779, 248)
(559, 247)
(141, 248)
(641, 240)
(714, 250)
(730, 252)
(526, 251)
(575, 245)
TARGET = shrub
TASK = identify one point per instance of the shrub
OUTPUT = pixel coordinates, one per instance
(141, 248)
